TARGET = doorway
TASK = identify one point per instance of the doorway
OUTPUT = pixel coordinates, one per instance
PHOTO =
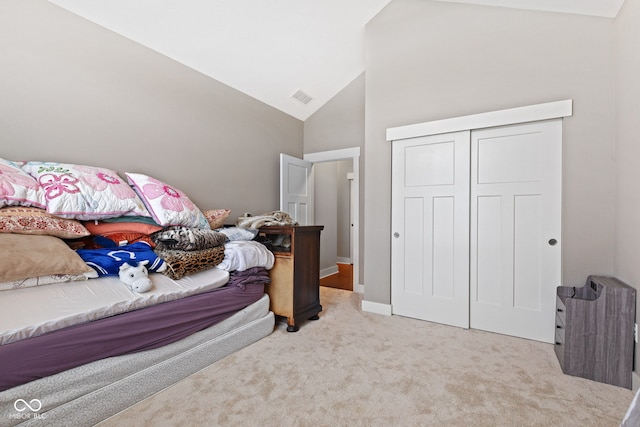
(353, 156)
(332, 210)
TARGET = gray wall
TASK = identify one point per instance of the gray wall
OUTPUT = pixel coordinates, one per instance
(430, 60)
(627, 232)
(75, 92)
(340, 122)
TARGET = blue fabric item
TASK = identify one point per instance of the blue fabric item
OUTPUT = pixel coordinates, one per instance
(107, 261)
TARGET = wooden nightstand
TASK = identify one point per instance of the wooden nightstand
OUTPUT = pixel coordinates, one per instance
(295, 277)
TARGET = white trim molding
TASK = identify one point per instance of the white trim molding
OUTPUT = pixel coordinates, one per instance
(333, 155)
(635, 381)
(530, 113)
(376, 307)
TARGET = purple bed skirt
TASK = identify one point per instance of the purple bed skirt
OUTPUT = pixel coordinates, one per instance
(139, 330)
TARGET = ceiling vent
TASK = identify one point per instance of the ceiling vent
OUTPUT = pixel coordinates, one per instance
(302, 97)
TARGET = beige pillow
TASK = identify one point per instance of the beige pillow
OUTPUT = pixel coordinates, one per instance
(25, 255)
(216, 217)
(28, 220)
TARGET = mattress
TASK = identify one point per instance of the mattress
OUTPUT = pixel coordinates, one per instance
(30, 312)
(90, 393)
(154, 326)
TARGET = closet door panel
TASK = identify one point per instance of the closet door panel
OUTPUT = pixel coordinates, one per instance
(430, 226)
(489, 252)
(527, 281)
(430, 164)
(515, 212)
(416, 261)
(508, 159)
(443, 265)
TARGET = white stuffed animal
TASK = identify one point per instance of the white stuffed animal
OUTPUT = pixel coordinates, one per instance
(135, 277)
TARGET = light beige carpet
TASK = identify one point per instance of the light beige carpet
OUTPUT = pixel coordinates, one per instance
(351, 368)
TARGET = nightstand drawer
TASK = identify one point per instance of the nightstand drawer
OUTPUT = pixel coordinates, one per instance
(560, 334)
(560, 319)
(561, 311)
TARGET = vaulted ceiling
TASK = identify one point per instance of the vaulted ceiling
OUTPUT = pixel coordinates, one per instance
(273, 50)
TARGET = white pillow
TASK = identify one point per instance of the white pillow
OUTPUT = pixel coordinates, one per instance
(17, 187)
(84, 192)
(168, 205)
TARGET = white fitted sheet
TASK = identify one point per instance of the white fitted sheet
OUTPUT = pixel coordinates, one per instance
(30, 312)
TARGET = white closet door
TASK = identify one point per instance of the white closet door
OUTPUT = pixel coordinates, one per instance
(516, 174)
(430, 226)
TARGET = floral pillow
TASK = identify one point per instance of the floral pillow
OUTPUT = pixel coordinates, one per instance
(18, 187)
(84, 192)
(168, 205)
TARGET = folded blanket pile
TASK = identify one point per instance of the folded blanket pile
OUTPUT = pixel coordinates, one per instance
(269, 218)
(187, 239)
(188, 250)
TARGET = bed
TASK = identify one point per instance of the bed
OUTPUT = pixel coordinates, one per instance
(76, 344)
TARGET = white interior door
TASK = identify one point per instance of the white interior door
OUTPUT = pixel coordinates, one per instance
(430, 226)
(516, 174)
(296, 189)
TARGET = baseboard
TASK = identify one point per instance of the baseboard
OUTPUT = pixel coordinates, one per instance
(328, 271)
(635, 381)
(359, 288)
(376, 307)
(341, 260)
